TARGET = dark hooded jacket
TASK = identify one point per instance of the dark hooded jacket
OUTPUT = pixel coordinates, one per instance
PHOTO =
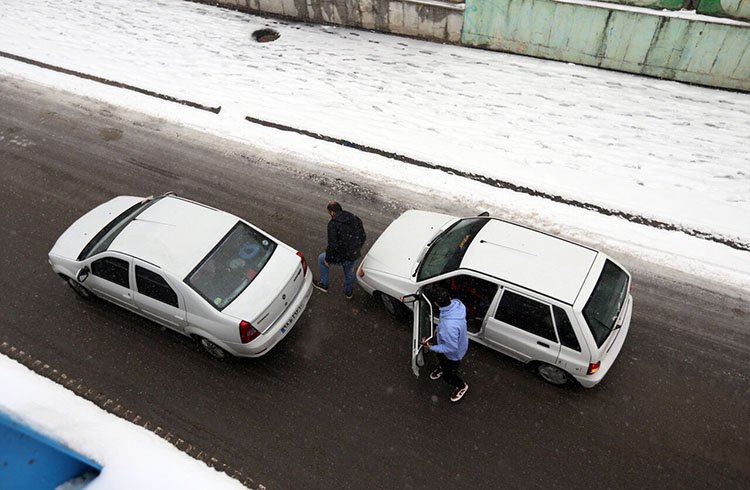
(346, 235)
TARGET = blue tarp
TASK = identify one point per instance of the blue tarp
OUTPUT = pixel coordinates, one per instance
(31, 460)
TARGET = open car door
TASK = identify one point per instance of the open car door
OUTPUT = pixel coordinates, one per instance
(423, 328)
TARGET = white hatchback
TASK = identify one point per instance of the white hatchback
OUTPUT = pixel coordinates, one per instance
(562, 307)
(202, 272)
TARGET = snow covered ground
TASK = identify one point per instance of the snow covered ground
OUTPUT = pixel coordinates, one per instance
(131, 457)
(666, 151)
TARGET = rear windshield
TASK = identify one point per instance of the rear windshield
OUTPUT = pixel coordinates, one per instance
(232, 265)
(603, 307)
(448, 250)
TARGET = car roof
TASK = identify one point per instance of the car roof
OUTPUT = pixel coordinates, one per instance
(535, 260)
(174, 234)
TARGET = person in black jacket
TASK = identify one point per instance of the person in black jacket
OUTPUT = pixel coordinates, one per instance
(346, 235)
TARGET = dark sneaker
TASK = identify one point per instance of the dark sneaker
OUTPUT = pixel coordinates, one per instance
(436, 374)
(319, 285)
(458, 393)
(350, 295)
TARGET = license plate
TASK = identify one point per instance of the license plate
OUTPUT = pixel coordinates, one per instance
(291, 319)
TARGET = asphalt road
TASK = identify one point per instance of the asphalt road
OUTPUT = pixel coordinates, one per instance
(335, 405)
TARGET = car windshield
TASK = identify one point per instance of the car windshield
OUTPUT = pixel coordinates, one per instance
(604, 304)
(232, 265)
(447, 250)
(107, 235)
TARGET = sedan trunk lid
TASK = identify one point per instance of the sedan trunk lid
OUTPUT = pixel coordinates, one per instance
(270, 294)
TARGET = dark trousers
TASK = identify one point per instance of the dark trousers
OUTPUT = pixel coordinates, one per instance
(450, 371)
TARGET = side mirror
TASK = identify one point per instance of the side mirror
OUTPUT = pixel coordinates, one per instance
(83, 274)
(409, 298)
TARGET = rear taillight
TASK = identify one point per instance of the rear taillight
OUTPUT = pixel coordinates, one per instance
(304, 263)
(594, 367)
(247, 332)
(361, 271)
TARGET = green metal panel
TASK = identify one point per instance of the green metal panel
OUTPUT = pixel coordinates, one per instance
(666, 39)
(671, 4)
(734, 9)
(538, 22)
(514, 41)
(695, 51)
(564, 23)
(586, 39)
(710, 7)
(482, 23)
(708, 41)
(641, 28)
(617, 34)
(628, 40)
(735, 57)
(691, 43)
(503, 26)
(654, 4)
(543, 14)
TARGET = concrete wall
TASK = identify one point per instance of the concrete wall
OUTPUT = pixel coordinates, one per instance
(630, 39)
(433, 20)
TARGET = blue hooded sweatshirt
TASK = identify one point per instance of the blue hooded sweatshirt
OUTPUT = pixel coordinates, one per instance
(452, 339)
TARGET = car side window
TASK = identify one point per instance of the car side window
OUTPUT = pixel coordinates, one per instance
(154, 286)
(527, 314)
(476, 294)
(565, 329)
(112, 269)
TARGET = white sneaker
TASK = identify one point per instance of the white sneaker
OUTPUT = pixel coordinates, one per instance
(458, 393)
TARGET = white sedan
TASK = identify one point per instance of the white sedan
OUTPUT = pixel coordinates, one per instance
(202, 272)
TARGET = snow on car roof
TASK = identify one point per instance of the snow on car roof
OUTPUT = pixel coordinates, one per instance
(532, 259)
(174, 234)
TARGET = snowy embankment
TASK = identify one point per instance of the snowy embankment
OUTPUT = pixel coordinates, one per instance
(131, 456)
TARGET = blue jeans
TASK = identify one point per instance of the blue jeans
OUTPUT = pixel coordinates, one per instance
(348, 272)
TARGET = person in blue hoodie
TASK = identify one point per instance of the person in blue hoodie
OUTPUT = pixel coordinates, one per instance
(452, 341)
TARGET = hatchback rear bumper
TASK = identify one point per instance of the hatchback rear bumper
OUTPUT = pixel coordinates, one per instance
(589, 381)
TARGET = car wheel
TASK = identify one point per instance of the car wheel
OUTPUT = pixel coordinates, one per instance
(393, 306)
(552, 374)
(78, 288)
(213, 350)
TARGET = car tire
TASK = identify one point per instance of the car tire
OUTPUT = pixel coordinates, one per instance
(78, 288)
(393, 306)
(212, 349)
(552, 374)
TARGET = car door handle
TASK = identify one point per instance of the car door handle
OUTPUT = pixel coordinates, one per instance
(543, 344)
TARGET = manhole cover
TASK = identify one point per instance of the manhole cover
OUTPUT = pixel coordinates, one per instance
(265, 35)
